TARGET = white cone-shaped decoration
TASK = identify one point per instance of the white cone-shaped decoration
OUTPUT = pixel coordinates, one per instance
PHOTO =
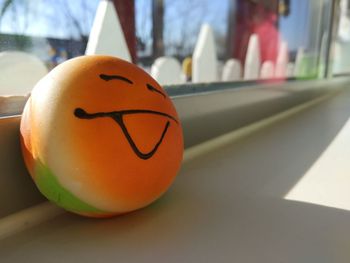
(232, 70)
(19, 72)
(267, 70)
(204, 61)
(299, 67)
(252, 60)
(107, 37)
(167, 71)
(282, 60)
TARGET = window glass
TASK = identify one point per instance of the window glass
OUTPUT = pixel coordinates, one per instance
(51, 30)
(341, 63)
(208, 41)
(305, 28)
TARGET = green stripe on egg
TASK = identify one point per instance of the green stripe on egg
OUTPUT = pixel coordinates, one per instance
(55, 192)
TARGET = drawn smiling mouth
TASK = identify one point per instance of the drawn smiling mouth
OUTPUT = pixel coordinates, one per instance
(117, 116)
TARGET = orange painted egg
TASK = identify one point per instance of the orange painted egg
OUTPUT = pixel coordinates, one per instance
(100, 137)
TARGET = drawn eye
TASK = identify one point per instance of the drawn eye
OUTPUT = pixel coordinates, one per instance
(153, 89)
(117, 77)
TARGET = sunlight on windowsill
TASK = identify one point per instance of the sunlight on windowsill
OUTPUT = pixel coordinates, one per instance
(327, 182)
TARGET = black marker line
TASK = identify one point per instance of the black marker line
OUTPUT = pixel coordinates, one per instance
(111, 77)
(153, 89)
(117, 116)
(82, 114)
(144, 156)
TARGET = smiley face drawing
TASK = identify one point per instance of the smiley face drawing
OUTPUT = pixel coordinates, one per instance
(100, 137)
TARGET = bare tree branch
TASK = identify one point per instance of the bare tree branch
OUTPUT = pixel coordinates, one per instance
(5, 6)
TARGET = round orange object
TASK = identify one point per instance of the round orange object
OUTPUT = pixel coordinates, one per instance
(101, 137)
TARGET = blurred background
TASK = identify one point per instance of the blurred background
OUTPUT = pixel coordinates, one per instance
(56, 30)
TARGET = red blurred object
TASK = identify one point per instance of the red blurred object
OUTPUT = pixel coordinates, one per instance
(261, 18)
(126, 13)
